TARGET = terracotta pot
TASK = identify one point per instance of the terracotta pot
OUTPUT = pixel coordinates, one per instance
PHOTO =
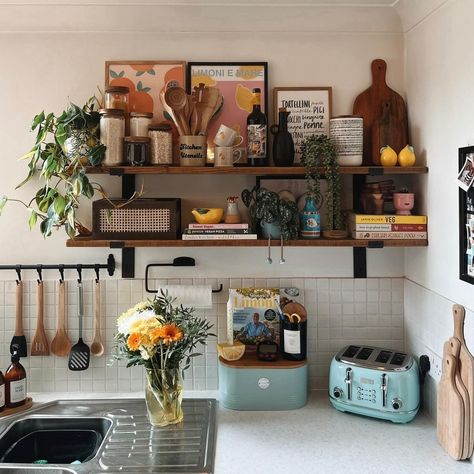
(403, 203)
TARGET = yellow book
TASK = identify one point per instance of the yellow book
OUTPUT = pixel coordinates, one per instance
(386, 219)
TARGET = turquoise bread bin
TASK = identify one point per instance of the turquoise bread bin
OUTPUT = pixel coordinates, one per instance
(381, 383)
(250, 384)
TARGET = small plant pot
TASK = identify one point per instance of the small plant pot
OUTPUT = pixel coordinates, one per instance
(403, 203)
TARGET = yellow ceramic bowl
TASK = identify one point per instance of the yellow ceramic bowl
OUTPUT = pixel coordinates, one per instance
(206, 215)
(230, 352)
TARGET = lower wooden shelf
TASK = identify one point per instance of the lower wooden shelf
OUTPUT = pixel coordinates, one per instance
(321, 242)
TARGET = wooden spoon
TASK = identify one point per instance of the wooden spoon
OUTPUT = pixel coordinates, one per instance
(176, 98)
(171, 113)
(39, 345)
(61, 345)
(97, 347)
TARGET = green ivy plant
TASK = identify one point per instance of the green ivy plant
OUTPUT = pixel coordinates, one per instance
(59, 164)
(266, 206)
(319, 152)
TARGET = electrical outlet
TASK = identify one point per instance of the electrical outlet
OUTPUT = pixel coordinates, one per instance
(436, 365)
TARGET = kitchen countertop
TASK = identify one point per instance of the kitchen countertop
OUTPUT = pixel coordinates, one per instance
(316, 439)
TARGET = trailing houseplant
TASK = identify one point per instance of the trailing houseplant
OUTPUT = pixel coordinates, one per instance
(163, 338)
(64, 145)
(319, 152)
(270, 214)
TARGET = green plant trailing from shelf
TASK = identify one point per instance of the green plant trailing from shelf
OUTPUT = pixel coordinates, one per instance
(319, 152)
(64, 145)
(266, 206)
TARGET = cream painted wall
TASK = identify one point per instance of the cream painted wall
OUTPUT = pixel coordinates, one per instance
(439, 71)
(50, 53)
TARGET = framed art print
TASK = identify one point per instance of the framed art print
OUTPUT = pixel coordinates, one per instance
(466, 214)
(310, 110)
(146, 79)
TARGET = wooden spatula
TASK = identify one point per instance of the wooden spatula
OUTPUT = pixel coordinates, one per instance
(466, 366)
(18, 341)
(450, 419)
(97, 347)
(61, 345)
(39, 345)
(79, 357)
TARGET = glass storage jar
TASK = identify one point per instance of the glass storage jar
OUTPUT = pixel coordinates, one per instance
(139, 123)
(117, 97)
(112, 131)
(161, 144)
(137, 150)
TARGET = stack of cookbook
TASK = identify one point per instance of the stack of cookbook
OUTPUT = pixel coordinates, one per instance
(381, 227)
(218, 232)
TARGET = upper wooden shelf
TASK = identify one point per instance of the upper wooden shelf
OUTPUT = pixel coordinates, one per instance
(321, 242)
(252, 170)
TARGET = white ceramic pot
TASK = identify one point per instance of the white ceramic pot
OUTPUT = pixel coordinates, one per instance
(346, 132)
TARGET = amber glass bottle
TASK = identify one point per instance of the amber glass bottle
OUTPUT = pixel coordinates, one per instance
(15, 383)
(2, 392)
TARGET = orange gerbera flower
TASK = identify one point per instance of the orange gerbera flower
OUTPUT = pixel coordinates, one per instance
(134, 341)
(171, 333)
(155, 334)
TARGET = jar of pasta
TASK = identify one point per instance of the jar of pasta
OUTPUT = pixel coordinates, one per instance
(161, 146)
(139, 123)
(112, 132)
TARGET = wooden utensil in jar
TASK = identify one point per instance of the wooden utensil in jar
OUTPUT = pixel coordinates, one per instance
(176, 98)
(170, 112)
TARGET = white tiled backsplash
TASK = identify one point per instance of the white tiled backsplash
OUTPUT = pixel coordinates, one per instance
(428, 324)
(340, 312)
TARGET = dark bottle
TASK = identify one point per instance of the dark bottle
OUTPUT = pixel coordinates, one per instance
(2, 392)
(283, 145)
(257, 133)
(15, 383)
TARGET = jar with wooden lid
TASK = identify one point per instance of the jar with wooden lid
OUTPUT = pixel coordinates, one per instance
(137, 150)
(117, 97)
(161, 146)
(112, 132)
(139, 123)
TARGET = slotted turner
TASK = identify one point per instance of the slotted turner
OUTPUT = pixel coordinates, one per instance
(80, 354)
(39, 345)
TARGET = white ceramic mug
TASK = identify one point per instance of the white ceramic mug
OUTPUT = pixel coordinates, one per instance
(227, 136)
(226, 155)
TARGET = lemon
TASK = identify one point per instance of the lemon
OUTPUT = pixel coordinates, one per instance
(231, 351)
(244, 98)
(407, 157)
(388, 156)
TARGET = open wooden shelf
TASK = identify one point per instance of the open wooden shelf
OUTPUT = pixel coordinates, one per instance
(253, 170)
(321, 242)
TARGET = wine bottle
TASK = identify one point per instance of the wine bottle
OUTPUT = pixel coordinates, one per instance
(257, 133)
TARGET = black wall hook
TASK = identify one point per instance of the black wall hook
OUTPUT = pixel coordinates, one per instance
(18, 272)
(79, 273)
(61, 273)
(97, 271)
(39, 269)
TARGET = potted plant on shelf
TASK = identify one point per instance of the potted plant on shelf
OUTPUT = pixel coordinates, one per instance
(319, 152)
(64, 145)
(403, 201)
(271, 216)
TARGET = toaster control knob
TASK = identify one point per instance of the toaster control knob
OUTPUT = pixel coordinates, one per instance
(337, 392)
(396, 404)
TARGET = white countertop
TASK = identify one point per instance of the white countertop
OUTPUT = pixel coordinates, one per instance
(315, 439)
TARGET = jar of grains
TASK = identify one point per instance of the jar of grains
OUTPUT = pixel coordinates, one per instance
(117, 97)
(139, 123)
(112, 132)
(161, 146)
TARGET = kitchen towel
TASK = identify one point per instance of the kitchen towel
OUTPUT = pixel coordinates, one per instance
(197, 296)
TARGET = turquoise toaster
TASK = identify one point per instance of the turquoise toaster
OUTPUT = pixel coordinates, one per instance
(376, 382)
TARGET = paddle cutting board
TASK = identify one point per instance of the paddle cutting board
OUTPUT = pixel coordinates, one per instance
(453, 347)
(466, 367)
(450, 418)
(385, 109)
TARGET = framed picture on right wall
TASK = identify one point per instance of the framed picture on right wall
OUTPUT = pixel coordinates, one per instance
(466, 214)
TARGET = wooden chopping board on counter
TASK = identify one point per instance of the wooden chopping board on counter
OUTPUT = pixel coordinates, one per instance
(384, 113)
(466, 368)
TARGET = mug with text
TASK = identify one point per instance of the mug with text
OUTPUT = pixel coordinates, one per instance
(227, 136)
(226, 155)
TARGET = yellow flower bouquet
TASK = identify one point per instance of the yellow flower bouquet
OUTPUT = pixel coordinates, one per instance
(163, 338)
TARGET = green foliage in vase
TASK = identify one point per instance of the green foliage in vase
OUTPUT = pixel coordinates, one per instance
(64, 145)
(319, 152)
(266, 206)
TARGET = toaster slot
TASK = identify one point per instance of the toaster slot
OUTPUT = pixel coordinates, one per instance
(384, 357)
(351, 351)
(398, 358)
(364, 353)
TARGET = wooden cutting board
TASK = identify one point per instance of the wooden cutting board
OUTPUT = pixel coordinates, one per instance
(450, 418)
(453, 347)
(466, 367)
(383, 107)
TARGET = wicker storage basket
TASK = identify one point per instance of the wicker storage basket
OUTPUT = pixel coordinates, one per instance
(154, 219)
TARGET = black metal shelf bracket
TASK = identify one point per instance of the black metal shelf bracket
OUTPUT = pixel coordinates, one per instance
(128, 253)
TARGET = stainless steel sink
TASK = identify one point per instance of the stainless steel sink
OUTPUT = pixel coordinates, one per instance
(130, 444)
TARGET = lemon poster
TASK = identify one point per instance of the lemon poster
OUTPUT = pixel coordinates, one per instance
(235, 81)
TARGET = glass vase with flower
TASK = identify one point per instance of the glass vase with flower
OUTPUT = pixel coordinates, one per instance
(163, 338)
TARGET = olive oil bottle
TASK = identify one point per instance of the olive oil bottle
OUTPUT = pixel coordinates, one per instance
(15, 383)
